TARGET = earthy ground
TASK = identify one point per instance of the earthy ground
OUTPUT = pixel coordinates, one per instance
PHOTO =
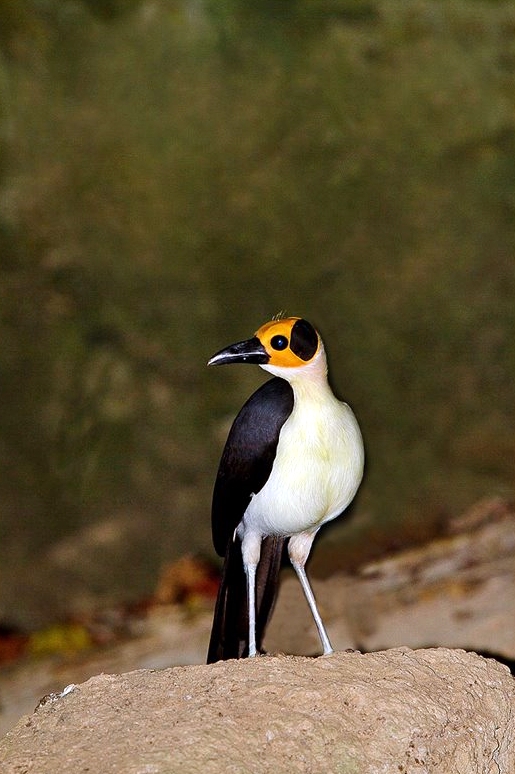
(399, 711)
(457, 592)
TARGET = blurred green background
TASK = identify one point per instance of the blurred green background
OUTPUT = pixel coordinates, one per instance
(173, 174)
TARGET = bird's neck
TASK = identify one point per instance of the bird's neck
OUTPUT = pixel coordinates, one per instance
(308, 381)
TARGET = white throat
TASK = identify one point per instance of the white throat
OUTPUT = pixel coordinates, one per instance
(314, 373)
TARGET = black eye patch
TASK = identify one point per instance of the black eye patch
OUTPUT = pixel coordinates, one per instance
(304, 340)
(279, 342)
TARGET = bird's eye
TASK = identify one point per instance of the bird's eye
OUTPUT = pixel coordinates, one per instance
(279, 342)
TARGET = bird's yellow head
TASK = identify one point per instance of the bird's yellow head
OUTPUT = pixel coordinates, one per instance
(291, 342)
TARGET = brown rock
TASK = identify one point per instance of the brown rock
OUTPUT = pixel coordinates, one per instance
(418, 712)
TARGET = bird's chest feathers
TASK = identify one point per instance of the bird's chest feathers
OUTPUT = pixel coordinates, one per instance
(307, 438)
(315, 471)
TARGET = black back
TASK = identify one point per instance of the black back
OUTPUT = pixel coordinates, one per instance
(244, 468)
(248, 457)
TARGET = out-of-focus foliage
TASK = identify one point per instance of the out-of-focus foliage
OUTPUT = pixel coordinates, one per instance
(175, 173)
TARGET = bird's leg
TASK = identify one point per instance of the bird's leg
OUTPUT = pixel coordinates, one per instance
(299, 547)
(251, 551)
(250, 571)
(308, 592)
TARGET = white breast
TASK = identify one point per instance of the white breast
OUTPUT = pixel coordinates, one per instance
(316, 472)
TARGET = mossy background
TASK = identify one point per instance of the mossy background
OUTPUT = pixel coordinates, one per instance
(173, 174)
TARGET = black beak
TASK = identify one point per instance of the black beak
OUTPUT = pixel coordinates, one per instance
(250, 351)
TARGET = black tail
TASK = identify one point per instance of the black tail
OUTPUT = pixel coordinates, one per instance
(230, 632)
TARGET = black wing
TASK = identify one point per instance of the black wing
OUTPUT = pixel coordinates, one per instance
(244, 469)
(248, 457)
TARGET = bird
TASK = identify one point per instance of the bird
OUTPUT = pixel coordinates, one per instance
(293, 460)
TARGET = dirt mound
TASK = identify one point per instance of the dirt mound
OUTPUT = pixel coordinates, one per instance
(431, 711)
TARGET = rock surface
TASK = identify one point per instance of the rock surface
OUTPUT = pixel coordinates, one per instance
(432, 711)
(457, 591)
